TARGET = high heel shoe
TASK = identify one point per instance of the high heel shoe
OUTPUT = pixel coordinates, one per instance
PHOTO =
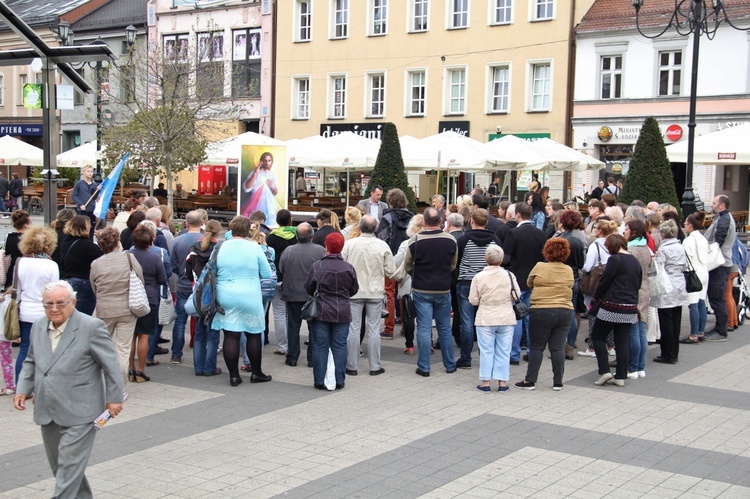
(140, 377)
(131, 376)
(260, 378)
(235, 381)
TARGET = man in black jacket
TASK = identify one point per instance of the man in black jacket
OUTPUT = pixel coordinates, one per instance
(430, 258)
(523, 249)
(324, 227)
(4, 188)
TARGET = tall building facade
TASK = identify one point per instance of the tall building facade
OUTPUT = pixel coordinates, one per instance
(476, 67)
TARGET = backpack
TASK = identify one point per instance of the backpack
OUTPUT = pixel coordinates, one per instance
(204, 293)
(268, 285)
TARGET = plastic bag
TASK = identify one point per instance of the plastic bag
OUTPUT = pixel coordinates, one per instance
(330, 379)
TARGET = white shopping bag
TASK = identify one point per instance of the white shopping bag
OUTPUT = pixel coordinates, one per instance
(330, 379)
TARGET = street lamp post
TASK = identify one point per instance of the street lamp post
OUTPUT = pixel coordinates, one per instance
(67, 37)
(691, 17)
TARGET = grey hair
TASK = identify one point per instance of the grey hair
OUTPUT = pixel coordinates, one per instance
(150, 202)
(153, 214)
(194, 218)
(456, 220)
(494, 255)
(440, 198)
(148, 223)
(668, 229)
(50, 286)
(635, 213)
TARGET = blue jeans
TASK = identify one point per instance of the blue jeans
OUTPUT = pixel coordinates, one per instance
(178, 332)
(24, 347)
(573, 331)
(698, 315)
(85, 297)
(205, 348)
(2, 205)
(468, 314)
(494, 352)
(325, 335)
(522, 328)
(429, 306)
(637, 347)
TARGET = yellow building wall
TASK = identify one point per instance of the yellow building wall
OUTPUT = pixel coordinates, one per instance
(476, 47)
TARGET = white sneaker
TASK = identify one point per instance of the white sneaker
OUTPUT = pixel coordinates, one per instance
(641, 374)
(603, 379)
(616, 382)
(611, 352)
(587, 353)
(633, 375)
(7, 391)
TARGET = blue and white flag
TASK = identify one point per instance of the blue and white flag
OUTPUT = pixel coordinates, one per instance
(107, 188)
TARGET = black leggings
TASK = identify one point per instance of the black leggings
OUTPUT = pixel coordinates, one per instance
(232, 352)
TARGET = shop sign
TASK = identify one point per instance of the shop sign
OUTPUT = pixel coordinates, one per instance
(727, 155)
(26, 130)
(674, 132)
(604, 133)
(460, 127)
(367, 130)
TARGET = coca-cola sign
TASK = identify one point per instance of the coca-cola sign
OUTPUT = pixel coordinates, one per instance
(674, 132)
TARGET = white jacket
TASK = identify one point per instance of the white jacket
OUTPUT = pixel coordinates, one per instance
(696, 248)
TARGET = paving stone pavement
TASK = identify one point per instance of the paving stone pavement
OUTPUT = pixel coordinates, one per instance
(683, 431)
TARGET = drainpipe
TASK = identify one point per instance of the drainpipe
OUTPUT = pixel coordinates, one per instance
(571, 82)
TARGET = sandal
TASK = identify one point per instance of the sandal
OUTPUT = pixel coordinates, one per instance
(153, 362)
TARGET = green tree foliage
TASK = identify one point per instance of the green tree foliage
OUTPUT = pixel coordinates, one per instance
(389, 169)
(650, 176)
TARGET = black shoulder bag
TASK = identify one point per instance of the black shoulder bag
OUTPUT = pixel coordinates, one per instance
(520, 308)
(310, 308)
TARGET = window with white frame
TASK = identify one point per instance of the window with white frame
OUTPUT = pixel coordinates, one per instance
(544, 10)
(376, 95)
(2, 90)
(337, 96)
(417, 88)
(303, 21)
(459, 13)
(78, 96)
(502, 11)
(340, 20)
(456, 91)
(670, 72)
(499, 90)
(22, 80)
(419, 15)
(611, 77)
(541, 86)
(301, 96)
(378, 17)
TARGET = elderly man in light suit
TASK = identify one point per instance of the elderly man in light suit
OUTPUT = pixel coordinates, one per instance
(72, 370)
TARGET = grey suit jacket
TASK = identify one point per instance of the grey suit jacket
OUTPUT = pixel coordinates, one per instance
(69, 384)
(365, 205)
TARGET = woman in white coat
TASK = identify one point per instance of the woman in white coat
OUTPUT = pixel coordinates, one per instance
(696, 249)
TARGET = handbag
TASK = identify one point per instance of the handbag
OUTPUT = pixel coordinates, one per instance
(407, 308)
(12, 326)
(310, 308)
(658, 280)
(590, 280)
(137, 297)
(715, 257)
(167, 313)
(693, 283)
(519, 308)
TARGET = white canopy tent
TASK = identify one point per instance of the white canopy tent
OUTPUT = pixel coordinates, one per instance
(577, 161)
(78, 157)
(726, 147)
(14, 152)
(229, 151)
(341, 152)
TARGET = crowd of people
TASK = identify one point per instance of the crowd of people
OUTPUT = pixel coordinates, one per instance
(456, 266)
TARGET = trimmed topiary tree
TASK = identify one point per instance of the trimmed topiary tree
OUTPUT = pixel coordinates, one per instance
(389, 169)
(650, 176)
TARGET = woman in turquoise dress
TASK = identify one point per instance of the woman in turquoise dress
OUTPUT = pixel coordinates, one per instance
(240, 265)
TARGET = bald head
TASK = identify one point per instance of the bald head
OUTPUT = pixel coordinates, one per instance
(194, 220)
(304, 232)
(368, 224)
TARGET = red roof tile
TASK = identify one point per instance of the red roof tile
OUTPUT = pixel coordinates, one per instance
(607, 15)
